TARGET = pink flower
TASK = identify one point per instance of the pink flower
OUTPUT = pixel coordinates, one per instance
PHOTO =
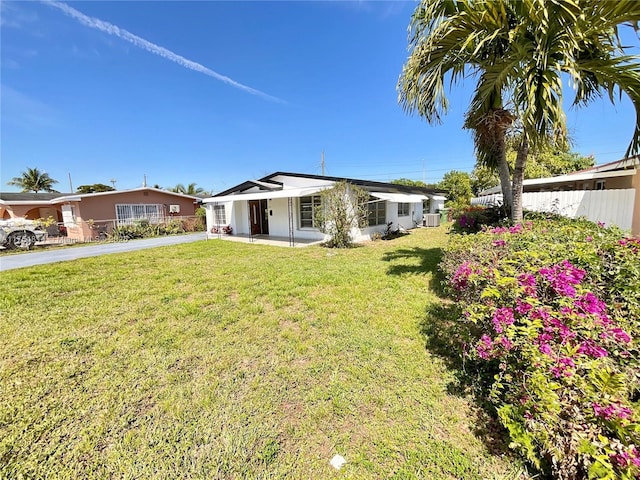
(540, 313)
(515, 229)
(621, 459)
(562, 277)
(504, 342)
(523, 307)
(563, 368)
(461, 276)
(499, 230)
(527, 279)
(499, 243)
(484, 347)
(546, 349)
(615, 410)
(589, 303)
(590, 349)
(502, 317)
(620, 335)
(562, 330)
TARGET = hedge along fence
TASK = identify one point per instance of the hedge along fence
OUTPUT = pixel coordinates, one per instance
(553, 316)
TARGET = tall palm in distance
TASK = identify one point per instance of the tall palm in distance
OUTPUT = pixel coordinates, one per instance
(33, 180)
(190, 189)
(518, 52)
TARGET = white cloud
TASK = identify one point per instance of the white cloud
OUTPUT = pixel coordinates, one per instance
(139, 42)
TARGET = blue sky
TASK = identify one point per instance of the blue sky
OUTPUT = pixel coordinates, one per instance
(143, 93)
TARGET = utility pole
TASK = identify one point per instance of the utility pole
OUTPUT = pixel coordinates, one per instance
(70, 184)
(113, 182)
(144, 182)
(322, 163)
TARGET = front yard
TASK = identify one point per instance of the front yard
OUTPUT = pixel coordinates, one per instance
(226, 360)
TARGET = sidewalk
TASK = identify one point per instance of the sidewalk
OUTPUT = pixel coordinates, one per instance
(29, 259)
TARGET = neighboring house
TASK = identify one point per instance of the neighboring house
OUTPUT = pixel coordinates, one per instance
(29, 205)
(608, 193)
(84, 215)
(283, 205)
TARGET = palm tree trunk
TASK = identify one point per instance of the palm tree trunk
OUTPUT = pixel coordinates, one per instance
(518, 180)
(503, 172)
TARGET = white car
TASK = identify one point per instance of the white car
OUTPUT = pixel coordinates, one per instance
(20, 234)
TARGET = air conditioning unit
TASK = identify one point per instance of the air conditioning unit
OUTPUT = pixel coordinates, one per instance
(174, 208)
(431, 220)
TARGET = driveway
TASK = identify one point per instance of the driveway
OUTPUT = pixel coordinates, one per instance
(21, 260)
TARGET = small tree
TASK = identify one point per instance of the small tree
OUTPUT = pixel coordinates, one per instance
(457, 185)
(342, 208)
(95, 188)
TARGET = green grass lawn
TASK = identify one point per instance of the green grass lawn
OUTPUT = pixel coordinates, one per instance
(226, 360)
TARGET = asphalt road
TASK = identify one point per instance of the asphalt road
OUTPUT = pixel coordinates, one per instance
(53, 255)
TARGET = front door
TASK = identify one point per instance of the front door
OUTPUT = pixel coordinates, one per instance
(259, 217)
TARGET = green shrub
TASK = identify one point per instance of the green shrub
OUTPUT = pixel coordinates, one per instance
(474, 219)
(553, 309)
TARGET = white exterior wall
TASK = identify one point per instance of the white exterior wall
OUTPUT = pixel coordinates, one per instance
(228, 207)
(612, 207)
(240, 217)
(237, 214)
(279, 220)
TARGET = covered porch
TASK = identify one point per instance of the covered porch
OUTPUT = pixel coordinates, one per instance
(264, 239)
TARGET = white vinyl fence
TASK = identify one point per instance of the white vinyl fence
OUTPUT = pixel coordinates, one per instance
(611, 207)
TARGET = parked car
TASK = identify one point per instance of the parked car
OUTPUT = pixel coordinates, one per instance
(20, 234)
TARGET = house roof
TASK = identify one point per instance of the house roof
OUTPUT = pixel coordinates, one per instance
(268, 184)
(354, 181)
(30, 198)
(619, 168)
(77, 197)
(623, 164)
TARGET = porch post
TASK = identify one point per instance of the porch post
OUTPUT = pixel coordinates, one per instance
(249, 218)
(292, 241)
(215, 222)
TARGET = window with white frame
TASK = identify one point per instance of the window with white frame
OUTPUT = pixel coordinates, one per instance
(599, 185)
(403, 209)
(376, 212)
(127, 214)
(219, 215)
(308, 207)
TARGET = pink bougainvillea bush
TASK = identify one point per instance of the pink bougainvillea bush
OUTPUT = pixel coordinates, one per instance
(553, 309)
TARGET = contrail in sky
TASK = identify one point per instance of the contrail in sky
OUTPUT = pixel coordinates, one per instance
(153, 48)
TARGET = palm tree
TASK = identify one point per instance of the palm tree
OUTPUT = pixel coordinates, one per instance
(33, 180)
(577, 38)
(518, 50)
(190, 189)
(451, 41)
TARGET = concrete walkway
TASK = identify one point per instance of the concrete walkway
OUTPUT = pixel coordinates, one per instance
(53, 255)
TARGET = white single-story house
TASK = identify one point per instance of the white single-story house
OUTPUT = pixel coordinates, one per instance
(283, 204)
(608, 193)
